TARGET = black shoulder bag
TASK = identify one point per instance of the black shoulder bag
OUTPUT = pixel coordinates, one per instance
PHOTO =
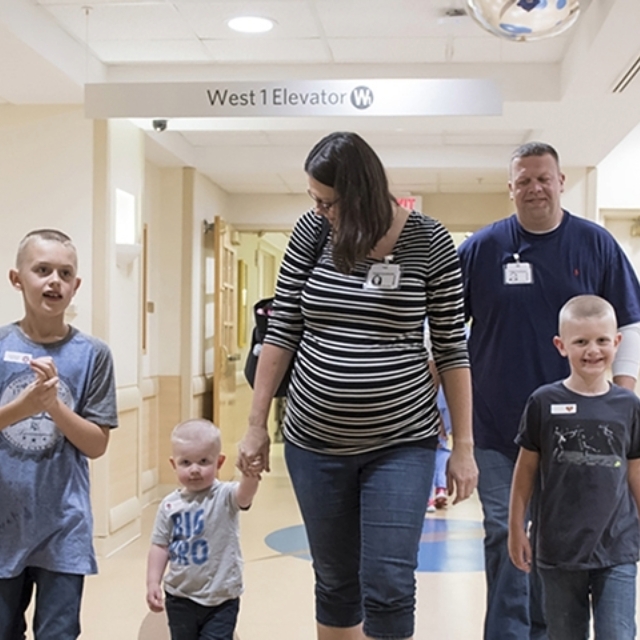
(261, 312)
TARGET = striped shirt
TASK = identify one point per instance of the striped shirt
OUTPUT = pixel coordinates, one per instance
(360, 378)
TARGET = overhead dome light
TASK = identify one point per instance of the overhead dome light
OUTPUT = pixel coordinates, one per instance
(525, 20)
(250, 24)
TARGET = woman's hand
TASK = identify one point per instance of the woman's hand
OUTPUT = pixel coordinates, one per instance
(462, 472)
(253, 451)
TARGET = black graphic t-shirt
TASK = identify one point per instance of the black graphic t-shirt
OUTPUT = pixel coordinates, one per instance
(586, 517)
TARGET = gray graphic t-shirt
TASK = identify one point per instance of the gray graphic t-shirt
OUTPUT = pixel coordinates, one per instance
(45, 511)
(202, 533)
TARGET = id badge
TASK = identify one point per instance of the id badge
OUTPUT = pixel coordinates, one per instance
(518, 273)
(383, 276)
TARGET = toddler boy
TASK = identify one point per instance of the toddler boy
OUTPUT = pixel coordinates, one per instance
(197, 534)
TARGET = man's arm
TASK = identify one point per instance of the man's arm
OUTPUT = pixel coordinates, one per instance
(521, 490)
(627, 359)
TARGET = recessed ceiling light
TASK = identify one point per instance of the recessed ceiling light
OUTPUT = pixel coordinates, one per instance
(250, 24)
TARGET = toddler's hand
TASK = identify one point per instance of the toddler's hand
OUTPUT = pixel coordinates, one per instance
(155, 599)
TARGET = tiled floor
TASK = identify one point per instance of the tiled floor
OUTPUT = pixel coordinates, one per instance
(278, 599)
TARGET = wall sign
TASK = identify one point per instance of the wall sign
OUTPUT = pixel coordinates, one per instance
(401, 97)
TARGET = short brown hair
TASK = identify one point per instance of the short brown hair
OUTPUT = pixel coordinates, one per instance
(43, 234)
(585, 306)
(535, 149)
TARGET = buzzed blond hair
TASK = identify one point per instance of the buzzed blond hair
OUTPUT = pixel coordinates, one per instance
(43, 234)
(197, 430)
(585, 306)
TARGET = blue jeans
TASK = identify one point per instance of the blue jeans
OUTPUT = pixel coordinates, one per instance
(57, 609)
(514, 598)
(189, 620)
(611, 592)
(363, 516)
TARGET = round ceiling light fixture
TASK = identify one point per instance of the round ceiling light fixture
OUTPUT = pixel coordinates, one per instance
(525, 20)
(250, 24)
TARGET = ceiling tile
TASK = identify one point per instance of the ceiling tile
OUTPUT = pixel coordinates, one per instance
(489, 138)
(96, 3)
(267, 51)
(388, 50)
(475, 50)
(410, 176)
(400, 138)
(384, 18)
(220, 139)
(136, 51)
(123, 22)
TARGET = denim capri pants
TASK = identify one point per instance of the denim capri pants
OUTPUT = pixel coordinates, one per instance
(363, 516)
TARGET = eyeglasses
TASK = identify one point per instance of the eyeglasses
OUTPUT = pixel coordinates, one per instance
(320, 206)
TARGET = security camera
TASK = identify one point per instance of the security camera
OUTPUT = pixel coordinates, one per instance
(159, 125)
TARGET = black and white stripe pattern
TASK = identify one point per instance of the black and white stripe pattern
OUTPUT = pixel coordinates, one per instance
(361, 380)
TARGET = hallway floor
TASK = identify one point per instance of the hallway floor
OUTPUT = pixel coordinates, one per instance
(278, 599)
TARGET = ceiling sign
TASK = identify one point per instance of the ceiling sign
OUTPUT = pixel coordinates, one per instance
(404, 97)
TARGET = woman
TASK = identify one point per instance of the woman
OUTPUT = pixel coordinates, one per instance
(361, 423)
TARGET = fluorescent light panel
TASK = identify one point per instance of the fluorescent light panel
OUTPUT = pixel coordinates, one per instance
(250, 24)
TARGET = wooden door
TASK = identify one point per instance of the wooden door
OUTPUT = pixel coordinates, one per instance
(227, 355)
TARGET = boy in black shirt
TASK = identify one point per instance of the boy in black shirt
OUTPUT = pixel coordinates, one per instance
(583, 435)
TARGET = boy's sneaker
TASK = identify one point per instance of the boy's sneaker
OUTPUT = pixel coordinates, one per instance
(440, 501)
(431, 506)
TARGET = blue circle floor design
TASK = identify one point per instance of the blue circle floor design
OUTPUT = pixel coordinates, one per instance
(446, 545)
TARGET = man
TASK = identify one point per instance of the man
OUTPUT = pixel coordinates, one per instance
(518, 273)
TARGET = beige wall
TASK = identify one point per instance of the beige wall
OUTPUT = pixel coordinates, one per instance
(459, 212)
(618, 175)
(466, 212)
(45, 181)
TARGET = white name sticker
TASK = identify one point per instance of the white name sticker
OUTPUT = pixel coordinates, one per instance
(17, 356)
(563, 409)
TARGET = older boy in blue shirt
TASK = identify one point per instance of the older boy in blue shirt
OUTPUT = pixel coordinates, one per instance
(57, 405)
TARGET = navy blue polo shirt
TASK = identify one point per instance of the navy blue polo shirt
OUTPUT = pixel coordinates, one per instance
(513, 325)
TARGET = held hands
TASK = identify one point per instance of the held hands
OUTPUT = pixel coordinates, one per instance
(42, 394)
(253, 451)
(462, 472)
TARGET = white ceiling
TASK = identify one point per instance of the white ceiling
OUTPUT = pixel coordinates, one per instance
(558, 90)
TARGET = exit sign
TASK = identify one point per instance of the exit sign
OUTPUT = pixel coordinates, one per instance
(410, 202)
